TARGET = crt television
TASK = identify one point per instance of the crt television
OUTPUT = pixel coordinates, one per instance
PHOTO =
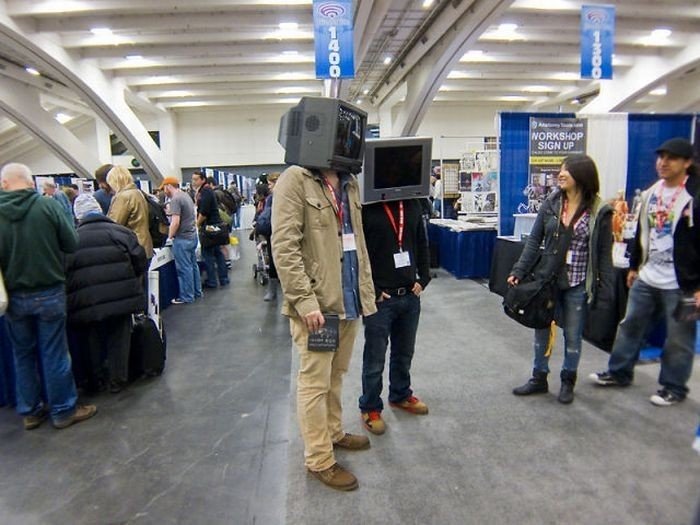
(396, 168)
(324, 132)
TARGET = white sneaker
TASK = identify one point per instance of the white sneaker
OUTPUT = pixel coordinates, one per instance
(664, 398)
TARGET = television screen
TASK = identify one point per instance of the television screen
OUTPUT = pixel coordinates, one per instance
(324, 132)
(396, 168)
(349, 134)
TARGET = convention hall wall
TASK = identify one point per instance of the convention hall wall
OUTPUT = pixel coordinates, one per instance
(248, 136)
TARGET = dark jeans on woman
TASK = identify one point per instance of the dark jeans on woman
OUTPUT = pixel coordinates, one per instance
(216, 265)
(396, 319)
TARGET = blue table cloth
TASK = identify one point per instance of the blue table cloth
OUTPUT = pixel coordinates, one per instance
(464, 254)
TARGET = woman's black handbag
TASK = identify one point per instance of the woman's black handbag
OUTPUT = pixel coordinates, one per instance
(213, 235)
(531, 302)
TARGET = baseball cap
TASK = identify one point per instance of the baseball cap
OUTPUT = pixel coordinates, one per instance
(678, 146)
(170, 180)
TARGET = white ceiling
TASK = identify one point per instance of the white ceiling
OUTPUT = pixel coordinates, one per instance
(178, 55)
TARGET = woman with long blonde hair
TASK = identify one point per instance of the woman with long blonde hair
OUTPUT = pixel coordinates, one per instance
(129, 207)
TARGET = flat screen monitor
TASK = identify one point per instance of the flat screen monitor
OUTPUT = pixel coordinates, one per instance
(324, 132)
(396, 169)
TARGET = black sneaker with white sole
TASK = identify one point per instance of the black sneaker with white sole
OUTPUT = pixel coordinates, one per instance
(607, 379)
(665, 398)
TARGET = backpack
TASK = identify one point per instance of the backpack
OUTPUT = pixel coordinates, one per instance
(227, 200)
(158, 222)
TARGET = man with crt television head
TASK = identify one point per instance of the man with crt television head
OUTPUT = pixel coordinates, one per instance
(319, 248)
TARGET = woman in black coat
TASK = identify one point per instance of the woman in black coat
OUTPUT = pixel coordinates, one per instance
(576, 228)
(104, 287)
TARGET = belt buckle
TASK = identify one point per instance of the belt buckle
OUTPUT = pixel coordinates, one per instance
(401, 291)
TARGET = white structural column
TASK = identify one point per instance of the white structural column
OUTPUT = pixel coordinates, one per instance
(104, 96)
(21, 104)
(647, 73)
(431, 69)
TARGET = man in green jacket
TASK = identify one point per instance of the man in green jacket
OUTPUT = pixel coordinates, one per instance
(34, 236)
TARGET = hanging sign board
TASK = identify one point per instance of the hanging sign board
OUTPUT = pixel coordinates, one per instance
(597, 41)
(333, 39)
(551, 141)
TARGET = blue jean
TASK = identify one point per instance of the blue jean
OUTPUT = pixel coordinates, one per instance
(36, 323)
(237, 217)
(215, 263)
(643, 304)
(570, 314)
(396, 319)
(188, 279)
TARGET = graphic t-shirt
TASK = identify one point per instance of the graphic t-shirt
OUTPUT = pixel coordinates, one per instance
(658, 271)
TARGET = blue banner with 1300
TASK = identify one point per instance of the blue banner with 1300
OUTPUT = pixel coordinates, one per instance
(597, 41)
(333, 37)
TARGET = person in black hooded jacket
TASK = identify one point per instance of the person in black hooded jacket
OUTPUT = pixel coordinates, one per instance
(104, 287)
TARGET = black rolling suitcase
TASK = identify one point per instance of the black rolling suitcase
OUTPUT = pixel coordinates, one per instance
(148, 348)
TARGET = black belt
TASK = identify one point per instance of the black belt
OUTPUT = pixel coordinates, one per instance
(397, 291)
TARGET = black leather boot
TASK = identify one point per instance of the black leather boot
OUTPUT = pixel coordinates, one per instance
(566, 393)
(536, 385)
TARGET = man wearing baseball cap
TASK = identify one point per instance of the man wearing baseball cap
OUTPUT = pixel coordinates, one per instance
(183, 234)
(664, 269)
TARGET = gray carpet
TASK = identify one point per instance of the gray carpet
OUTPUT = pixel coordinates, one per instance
(484, 456)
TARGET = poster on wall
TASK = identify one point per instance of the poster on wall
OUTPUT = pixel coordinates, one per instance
(478, 182)
(551, 141)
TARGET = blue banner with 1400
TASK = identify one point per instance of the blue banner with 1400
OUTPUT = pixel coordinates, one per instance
(597, 41)
(333, 38)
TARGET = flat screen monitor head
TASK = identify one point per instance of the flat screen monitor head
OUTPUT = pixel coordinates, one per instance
(324, 132)
(396, 169)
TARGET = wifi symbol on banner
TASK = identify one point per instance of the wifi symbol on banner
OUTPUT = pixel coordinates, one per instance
(596, 17)
(331, 10)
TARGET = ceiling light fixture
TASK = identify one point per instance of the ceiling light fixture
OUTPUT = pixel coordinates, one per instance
(32, 71)
(62, 118)
(427, 3)
(507, 28)
(358, 101)
(387, 60)
(288, 26)
(134, 57)
(365, 91)
(290, 52)
(472, 54)
(659, 91)
(101, 31)
(661, 33)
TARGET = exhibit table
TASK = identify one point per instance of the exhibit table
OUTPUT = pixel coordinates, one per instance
(523, 224)
(162, 281)
(465, 253)
(7, 367)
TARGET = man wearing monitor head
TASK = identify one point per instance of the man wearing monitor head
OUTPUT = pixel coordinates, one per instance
(319, 248)
(664, 269)
(398, 249)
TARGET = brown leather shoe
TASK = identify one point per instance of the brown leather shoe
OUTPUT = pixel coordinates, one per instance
(413, 405)
(353, 442)
(82, 412)
(35, 420)
(336, 477)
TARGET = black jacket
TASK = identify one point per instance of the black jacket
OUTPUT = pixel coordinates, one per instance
(600, 276)
(382, 244)
(104, 275)
(686, 237)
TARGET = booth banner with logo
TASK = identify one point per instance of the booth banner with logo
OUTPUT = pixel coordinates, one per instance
(597, 41)
(333, 35)
(551, 141)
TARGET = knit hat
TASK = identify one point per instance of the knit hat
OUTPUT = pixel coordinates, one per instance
(85, 204)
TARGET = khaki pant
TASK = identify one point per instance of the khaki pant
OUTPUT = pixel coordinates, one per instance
(319, 386)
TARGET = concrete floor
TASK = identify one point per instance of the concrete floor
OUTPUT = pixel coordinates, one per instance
(215, 440)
